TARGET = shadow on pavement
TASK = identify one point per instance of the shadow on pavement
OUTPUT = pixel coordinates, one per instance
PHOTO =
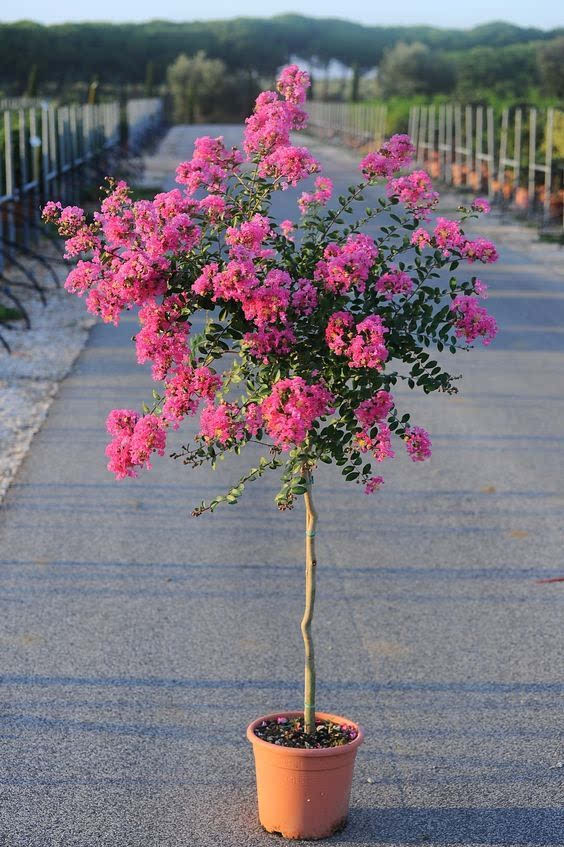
(511, 826)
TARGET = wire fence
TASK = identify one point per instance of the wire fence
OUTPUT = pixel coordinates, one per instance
(353, 124)
(56, 152)
(515, 156)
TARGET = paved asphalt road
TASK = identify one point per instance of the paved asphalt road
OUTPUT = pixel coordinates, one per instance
(137, 643)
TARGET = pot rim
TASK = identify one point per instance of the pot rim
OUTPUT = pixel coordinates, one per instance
(305, 751)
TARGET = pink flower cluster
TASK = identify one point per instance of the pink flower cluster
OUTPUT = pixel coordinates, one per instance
(380, 445)
(375, 409)
(185, 388)
(448, 236)
(415, 192)
(162, 338)
(393, 155)
(247, 239)
(367, 348)
(481, 204)
(321, 195)
(369, 413)
(394, 282)
(480, 250)
(267, 131)
(293, 84)
(347, 265)
(210, 166)
(420, 238)
(291, 408)
(373, 484)
(363, 344)
(222, 423)
(288, 165)
(269, 341)
(472, 321)
(134, 439)
(418, 443)
(269, 127)
(132, 266)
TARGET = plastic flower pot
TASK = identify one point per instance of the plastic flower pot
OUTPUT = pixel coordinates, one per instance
(303, 793)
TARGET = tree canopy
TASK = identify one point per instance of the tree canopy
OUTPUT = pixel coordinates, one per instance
(121, 53)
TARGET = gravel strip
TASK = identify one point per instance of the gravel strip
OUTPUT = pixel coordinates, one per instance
(29, 376)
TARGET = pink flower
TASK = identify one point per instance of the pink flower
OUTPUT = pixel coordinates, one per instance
(304, 297)
(324, 189)
(415, 192)
(480, 250)
(363, 345)
(339, 332)
(481, 289)
(204, 283)
(281, 720)
(382, 444)
(51, 211)
(253, 418)
(83, 242)
(210, 166)
(367, 349)
(269, 300)
(71, 220)
(481, 204)
(246, 240)
(448, 236)
(391, 157)
(288, 165)
(375, 409)
(135, 439)
(121, 422)
(83, 277)
(185, 389)
(236, 281)
(472, 321)
(149, 436)
(293, 83)
(418, 443)
(420, 238)
(371, 486)
(163, 337)
(347, 265)
(221, 423)
(214, 206)
(394, 282)
(269, 341)
(287, 228)
(291, 408)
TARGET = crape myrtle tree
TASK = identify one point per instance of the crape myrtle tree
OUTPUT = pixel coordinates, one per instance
(310, 324)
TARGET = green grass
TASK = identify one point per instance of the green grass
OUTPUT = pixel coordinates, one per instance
(8, 313)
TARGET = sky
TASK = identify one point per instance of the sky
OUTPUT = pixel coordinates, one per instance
(544, 14)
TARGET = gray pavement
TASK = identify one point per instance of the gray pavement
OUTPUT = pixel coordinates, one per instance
(137, 642)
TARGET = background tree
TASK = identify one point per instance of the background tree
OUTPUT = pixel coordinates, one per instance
(409, 69)
(508, 72)
(550, 59)
(193, 83)
(31, 87)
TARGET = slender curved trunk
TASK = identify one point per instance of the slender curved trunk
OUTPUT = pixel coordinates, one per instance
(310, 569)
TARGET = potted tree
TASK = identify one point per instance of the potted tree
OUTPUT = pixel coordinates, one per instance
(309, 328)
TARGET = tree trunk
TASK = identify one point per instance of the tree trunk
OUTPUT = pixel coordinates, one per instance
(310, 568)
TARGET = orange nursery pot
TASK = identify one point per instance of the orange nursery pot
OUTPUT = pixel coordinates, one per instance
(303, 793)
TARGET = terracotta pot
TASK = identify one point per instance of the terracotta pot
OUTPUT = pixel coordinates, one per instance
(303, 793)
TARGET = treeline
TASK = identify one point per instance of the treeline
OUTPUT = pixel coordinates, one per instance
(37, 56)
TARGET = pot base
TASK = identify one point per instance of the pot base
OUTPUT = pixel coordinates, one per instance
(339, 827)
(303, 793)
